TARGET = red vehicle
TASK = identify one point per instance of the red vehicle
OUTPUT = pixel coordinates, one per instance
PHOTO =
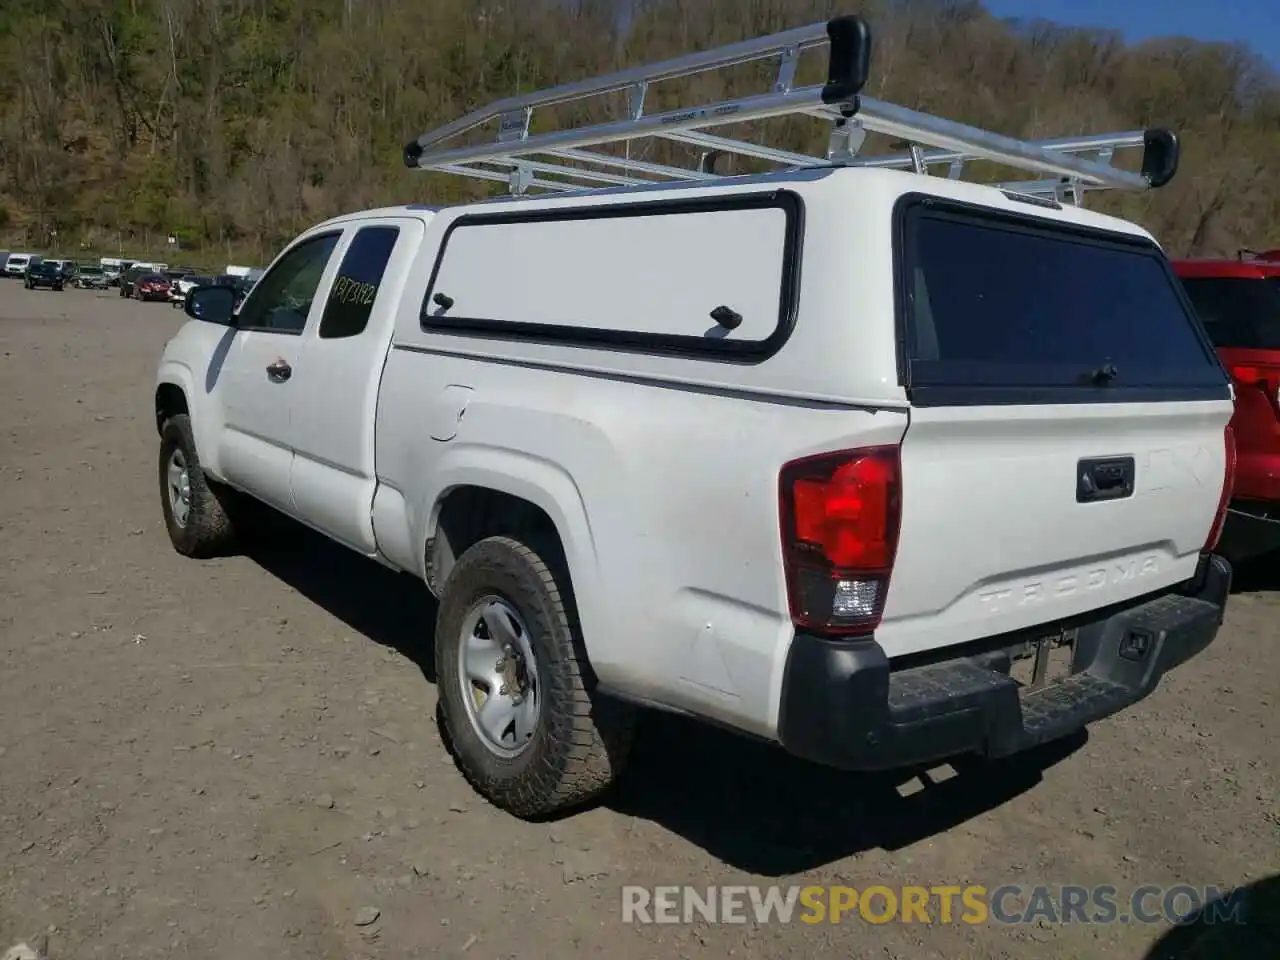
(151, 286)
(1239, 303)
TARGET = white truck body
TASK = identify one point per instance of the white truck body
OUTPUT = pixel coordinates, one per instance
(557, 356)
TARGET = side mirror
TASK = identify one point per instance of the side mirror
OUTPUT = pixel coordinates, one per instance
(211, 304)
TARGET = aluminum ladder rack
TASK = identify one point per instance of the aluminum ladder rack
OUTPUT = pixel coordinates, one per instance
(570, 159)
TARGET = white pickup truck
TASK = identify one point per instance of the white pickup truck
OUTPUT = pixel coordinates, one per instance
(848, 458)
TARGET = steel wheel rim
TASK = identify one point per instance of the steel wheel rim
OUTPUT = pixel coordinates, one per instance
(498, 677)
(178, 484)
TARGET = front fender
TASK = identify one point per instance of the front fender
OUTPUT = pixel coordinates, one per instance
(191, 361)
(174, 373)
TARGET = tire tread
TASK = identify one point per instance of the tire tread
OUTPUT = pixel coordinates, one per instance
(589, 736)
(209, 531)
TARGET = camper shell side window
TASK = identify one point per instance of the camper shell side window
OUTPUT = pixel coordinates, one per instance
(710, 277)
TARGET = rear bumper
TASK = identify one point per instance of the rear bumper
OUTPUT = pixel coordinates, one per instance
(843, 706)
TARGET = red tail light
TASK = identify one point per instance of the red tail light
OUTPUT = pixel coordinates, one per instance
(1224, 499)
(840, 517)
(1266, 379)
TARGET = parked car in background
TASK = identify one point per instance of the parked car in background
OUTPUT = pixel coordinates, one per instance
(237, 282)
(179, 289)
(113, 268)
(16, 265)
(151, 286)
(67, 268)
(44, 273)
(130, 277)
(1239, 304)
(4, 258)
(90, 276)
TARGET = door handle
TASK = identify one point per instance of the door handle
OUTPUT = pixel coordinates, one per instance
(279, 371)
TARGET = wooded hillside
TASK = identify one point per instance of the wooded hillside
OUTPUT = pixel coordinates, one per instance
(240, 122)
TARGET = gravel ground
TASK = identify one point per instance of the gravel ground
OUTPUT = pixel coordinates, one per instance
(239, 758)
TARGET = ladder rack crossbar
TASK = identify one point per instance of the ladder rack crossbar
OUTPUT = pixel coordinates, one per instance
(570, 158)
(747, 51)
(1086, 144)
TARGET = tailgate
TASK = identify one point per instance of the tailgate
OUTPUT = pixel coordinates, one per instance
(1066, 448)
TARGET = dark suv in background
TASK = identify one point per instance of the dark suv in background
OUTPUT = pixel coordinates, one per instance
(45, 273)
(1239, 304)
(129, 278)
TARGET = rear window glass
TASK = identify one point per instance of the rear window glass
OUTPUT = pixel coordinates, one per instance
(998, 304)
(1238, 312)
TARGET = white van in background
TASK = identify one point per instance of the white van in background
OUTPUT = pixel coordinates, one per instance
(16, 265)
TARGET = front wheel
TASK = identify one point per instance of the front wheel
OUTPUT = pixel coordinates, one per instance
(530, 733)
(194, 514)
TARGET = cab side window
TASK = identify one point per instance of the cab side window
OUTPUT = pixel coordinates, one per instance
(356, 287)
(282, 298)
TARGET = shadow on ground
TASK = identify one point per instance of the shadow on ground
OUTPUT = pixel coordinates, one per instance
(389, 608)
(1256, 575)
(748, 803)
(759, 809)
(1244, 925)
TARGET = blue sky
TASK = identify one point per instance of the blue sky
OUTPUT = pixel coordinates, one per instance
(1254, 22)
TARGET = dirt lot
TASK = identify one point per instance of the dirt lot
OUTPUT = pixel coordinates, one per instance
(234, 758)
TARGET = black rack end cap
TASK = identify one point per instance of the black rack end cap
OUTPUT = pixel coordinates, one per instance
(850, 60)
(1160, 151)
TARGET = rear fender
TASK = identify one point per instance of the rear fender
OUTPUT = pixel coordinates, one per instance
(543, 484)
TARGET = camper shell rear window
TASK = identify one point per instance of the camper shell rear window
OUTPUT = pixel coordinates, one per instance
(995, 307)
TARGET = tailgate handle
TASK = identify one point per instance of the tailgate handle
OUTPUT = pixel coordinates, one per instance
(1104, 478)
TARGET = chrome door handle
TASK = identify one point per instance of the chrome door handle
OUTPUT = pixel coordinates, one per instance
(279, 371)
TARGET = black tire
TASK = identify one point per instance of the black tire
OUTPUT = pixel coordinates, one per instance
(208, 530)
(581, 739)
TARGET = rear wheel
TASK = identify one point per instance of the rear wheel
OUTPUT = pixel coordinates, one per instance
(195, 513)
(529, 733)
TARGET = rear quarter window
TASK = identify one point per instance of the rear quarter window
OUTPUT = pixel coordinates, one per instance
(1001, 308)
(355, 289)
